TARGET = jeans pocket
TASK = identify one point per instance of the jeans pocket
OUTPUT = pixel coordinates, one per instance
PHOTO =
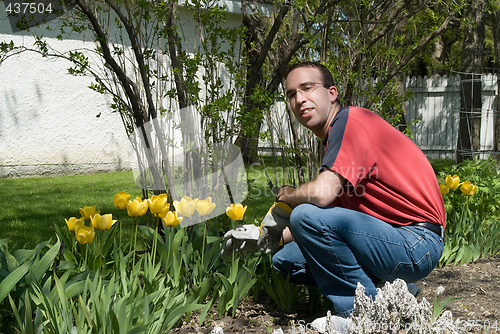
(414, 270)
(419, 260)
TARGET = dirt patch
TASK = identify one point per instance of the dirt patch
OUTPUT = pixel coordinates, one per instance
(477, 286)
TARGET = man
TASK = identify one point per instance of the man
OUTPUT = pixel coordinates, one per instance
(374, 212)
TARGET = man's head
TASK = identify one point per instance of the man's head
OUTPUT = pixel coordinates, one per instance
(325, 72)
(312, 96)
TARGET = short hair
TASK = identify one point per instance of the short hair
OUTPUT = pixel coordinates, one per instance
(325, 72)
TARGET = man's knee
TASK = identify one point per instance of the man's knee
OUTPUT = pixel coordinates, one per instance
(277, 261)
(303, 215)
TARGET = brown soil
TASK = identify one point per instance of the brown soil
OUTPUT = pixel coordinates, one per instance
(477, 286)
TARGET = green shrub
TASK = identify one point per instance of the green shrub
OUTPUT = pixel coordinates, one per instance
(471, 195)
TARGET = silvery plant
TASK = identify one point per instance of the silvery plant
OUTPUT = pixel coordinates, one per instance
(396, 310)
(393, 310)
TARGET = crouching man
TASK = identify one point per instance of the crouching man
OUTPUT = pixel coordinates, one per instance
(374, 212)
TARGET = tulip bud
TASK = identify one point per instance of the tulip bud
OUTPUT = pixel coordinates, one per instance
(236, 211)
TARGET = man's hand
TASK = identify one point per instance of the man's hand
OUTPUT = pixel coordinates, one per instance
(242, 238)
(273, 224)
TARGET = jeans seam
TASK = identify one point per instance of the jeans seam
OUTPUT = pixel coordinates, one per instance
(337, 259)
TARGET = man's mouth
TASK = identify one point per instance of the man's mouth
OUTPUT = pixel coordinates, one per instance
(305, 112)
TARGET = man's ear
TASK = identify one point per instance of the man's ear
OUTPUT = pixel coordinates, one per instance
(333, 93)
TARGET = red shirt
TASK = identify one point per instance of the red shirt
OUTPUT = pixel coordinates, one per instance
(388, 175)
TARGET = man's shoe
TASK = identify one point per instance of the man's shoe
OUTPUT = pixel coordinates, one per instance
(340, 324)
(413, 289)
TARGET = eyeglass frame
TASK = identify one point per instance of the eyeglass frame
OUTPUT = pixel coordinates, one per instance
(301, 91)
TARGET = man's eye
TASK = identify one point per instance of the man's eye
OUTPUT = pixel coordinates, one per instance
(307, 88)
(290, 95)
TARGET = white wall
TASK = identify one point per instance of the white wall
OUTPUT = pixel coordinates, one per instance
(48, 118)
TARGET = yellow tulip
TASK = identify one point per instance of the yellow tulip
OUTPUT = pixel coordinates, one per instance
(85, 234)
(158, 205)
(171, 219)
(205, 207)
(137, 207)
(103, 222)
(74, 224)
(452, 182)
(121, 200)
(468, 189)
(443, 188)
(88, 211)
(236, 211)
(186, 206)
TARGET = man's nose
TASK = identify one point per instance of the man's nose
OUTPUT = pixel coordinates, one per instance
(300, 97)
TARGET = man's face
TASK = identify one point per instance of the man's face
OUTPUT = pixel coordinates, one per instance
(309, 100)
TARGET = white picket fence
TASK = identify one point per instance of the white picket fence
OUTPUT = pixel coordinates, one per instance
(433, 113)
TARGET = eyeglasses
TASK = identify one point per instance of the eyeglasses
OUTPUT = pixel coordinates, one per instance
(306, 90)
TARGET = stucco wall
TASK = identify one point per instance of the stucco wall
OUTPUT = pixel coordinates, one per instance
(50, 121)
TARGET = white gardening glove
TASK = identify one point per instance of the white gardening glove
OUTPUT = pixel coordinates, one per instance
(242, 238)
(273, 224)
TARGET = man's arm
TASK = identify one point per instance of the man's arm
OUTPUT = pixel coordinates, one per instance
(321, 191)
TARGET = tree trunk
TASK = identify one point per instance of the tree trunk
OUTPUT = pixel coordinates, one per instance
(496, 40)
(470, 87)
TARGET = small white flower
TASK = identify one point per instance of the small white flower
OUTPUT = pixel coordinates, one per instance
(439, 290)
(217, 330)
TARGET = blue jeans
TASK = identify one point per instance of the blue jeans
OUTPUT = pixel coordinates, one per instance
(335, 248)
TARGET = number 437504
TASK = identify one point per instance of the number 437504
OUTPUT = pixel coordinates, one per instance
(27, 7)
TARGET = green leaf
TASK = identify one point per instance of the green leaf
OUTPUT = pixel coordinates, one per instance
(41, 267)
(175, 315)
(11, 261)
(12, 279)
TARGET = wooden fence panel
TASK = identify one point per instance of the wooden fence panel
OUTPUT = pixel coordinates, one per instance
(433, 114)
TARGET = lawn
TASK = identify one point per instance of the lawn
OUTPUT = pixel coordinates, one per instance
(29, 207)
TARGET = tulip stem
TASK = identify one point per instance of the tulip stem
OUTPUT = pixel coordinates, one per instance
(155, 240)
(120, 233)
(86, 256)
(203, 247)
(169, 244)
(135, 242)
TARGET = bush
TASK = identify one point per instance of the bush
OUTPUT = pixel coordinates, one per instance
(471, 195)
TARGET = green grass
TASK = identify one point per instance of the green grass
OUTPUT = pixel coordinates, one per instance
(441, 164)
(29, 207)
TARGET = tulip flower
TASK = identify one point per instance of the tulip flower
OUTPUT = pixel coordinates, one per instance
(85, 234)
(88, 211)
(103, 222)
(171, 219)
(452, 182)
(158, 205)
(186, 206)
(205, 207)
(121, 200)
(137, 207)
(74, 224)
(468, 189)
(443, 188)
(236, 211)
